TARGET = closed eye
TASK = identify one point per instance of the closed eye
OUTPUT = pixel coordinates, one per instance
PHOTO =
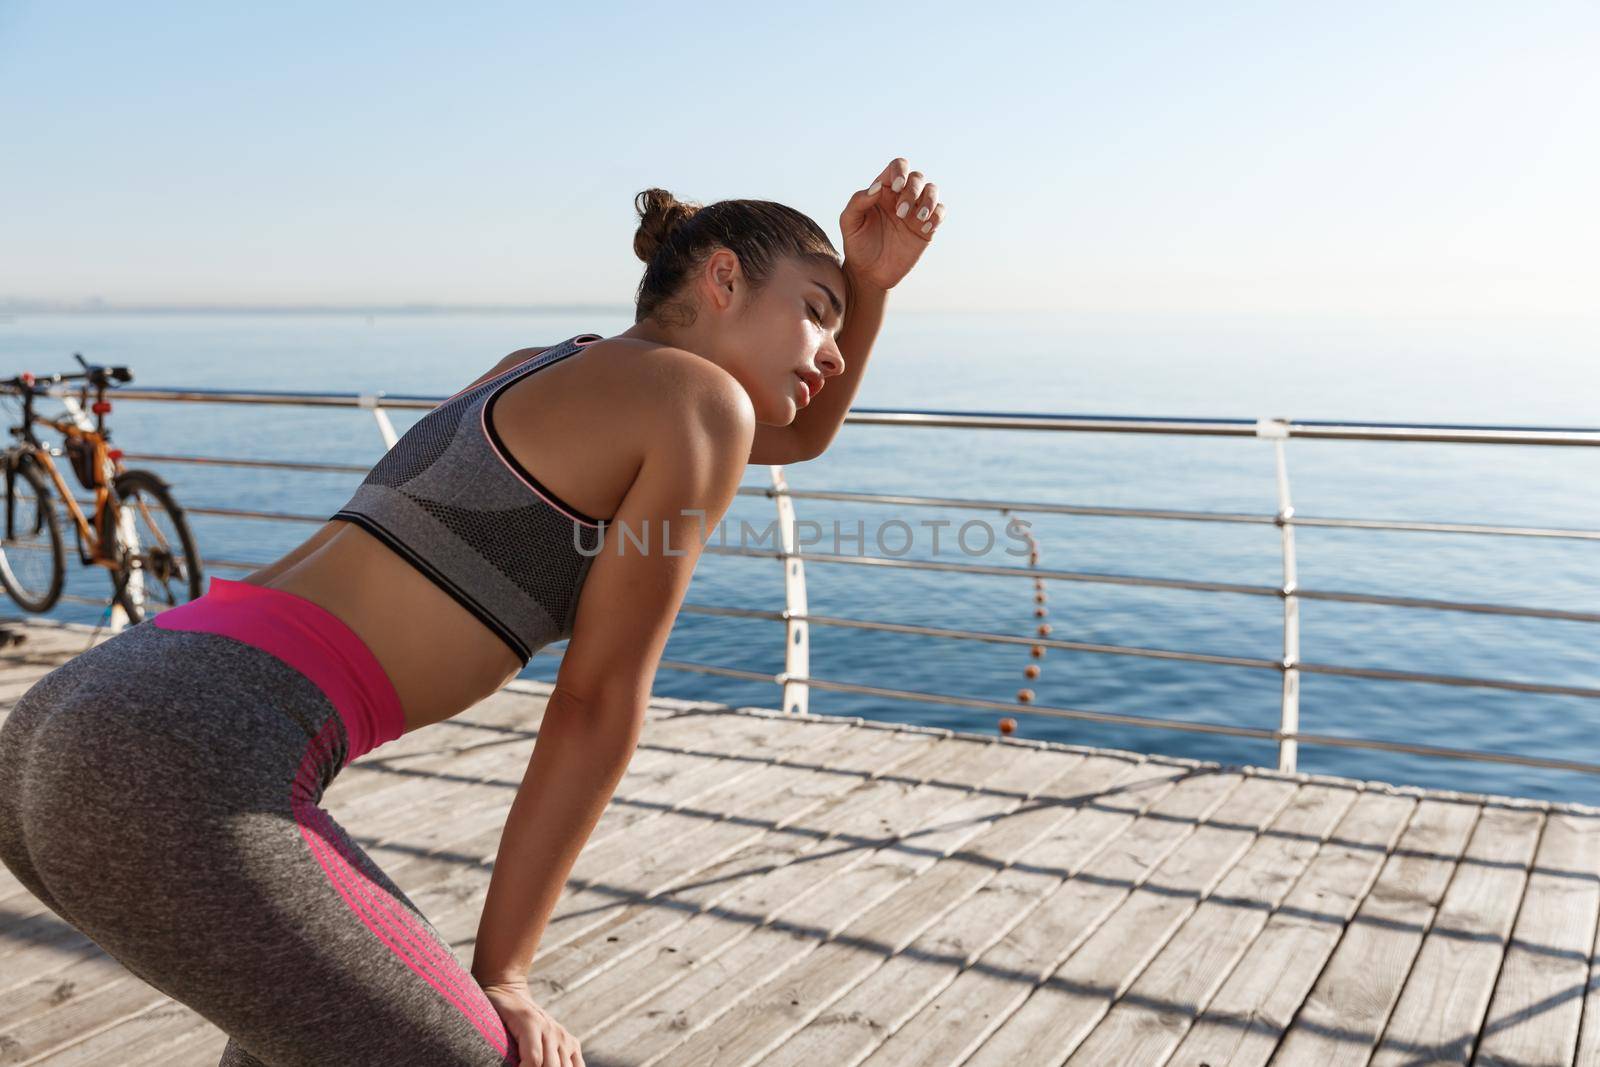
(815, 313)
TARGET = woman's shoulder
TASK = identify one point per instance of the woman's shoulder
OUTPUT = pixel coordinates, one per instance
(668, 387)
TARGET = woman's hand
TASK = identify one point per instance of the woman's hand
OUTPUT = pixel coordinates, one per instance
(881, 244)
(541, 1041)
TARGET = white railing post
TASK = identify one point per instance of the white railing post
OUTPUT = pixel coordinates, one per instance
(1277, 431)
(796, 631)
(372, 402)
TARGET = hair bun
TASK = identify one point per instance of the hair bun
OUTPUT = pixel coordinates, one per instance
(659, 214)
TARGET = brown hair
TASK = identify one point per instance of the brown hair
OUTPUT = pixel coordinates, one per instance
(676, 236)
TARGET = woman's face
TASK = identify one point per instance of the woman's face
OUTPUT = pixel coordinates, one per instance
(781, 341)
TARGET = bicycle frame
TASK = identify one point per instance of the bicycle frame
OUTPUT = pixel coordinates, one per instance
(106, 465)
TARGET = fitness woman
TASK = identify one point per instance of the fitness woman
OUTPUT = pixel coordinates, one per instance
(161, 791)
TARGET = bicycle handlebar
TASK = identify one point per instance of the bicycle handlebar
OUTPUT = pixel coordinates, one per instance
(92, 372)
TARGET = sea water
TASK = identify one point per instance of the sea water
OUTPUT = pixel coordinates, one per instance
(1488, 371)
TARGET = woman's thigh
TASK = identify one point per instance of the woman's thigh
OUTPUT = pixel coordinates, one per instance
(174, 817)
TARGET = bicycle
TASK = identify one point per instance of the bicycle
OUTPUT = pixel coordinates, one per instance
(122, 497)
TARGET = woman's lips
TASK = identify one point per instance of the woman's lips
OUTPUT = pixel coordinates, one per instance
(807, 388)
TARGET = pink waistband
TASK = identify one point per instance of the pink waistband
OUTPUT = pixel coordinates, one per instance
(312, 640)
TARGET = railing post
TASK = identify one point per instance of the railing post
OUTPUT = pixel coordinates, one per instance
(796, 631)
(1277, 431)
(373, 403)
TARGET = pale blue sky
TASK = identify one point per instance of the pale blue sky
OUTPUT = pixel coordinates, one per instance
(1349, 158)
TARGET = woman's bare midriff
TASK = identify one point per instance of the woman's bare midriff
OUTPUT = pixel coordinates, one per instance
(440, 657)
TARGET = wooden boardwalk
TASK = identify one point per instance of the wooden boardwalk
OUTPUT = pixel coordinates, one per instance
(773, 890)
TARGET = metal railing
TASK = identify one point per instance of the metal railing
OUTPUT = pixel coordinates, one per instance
(796, 680)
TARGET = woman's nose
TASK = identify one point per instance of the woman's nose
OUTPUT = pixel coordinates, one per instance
(830, 362)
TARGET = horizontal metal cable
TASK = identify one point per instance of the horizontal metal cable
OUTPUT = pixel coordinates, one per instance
(1030, 506)
(986, 420)
(1376, 673)
(1162, 583)
(272, 464)
(1050, 508)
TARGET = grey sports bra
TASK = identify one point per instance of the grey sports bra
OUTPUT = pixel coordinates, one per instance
(451, 500)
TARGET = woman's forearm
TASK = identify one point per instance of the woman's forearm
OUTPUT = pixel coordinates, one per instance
(818, 422)
(577, 762)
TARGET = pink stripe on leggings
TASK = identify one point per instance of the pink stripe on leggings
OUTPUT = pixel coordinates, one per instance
(312, 640)
(389, 920)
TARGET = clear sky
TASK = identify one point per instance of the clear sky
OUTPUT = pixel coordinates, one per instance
(1289, 157)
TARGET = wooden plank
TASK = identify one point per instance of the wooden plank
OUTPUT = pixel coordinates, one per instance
(12, 893)
(185, 1032)
(888, 894)
(693, 812)
(1342, 1019)
(930, 760)
(1242, 1024)
(1119, 840)
(502, 720)
(34, 942)
(1061, 1010)
(1535, 1014)
(448, 873)
(17, 678)
(56, 1031)
(944, 907)
(507, 718)
(1146, 1024)
(30, 996)
(17, 682)
(1442, 1005)
(454, 847)
(567, 959)
(877, 849)
(51, 644)
(618, 870)
(1103, 800)
(197, 1046)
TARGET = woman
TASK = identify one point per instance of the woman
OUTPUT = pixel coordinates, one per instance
(160, 792)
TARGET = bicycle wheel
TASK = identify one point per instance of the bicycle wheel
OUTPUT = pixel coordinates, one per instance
(159, 565)
(33, 562)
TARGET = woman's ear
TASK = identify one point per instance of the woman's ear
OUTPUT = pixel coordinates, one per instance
(723, 276)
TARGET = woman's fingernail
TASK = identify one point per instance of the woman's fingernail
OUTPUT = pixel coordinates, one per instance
(926, 226)
(899, 184)
(904, 207)
(922, 214)
(873, 191)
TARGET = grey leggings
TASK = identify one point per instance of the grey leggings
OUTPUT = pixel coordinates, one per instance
(161, 793)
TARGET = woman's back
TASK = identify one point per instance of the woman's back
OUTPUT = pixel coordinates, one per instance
(467, 546)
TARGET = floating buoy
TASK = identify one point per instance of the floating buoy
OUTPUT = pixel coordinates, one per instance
(1031, 670)
(1040, 613)
(1044, 629)
(1008, 725)
(1036, 651)
(1039, 597)
(1025, 696)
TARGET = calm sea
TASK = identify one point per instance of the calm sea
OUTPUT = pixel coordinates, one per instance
(1487, 371)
